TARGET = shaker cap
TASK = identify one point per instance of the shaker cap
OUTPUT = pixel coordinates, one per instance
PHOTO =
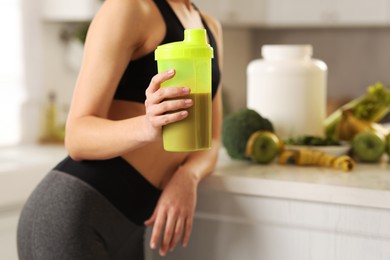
(194, 46)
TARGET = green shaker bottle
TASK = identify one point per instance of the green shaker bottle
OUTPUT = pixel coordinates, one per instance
(191, 59)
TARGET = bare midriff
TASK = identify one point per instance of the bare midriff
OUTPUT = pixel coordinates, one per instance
(151, 160)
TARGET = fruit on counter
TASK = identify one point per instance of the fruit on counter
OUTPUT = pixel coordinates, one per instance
(310, 157)
(372, 107)
(368, 146)
(238, 127)
(263, 147)
(351, 125)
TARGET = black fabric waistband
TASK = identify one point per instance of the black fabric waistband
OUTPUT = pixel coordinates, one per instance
(119, 182)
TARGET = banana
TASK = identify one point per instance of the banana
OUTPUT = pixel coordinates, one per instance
(372, 107)
(310, 157)
(350, 125)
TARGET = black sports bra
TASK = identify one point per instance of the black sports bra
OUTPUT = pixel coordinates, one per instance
(139, 72)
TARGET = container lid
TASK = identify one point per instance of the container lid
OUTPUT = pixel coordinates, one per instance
(194, 46)
(281, 52)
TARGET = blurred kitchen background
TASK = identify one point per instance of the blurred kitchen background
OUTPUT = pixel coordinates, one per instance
(40, 55)
(41, 51)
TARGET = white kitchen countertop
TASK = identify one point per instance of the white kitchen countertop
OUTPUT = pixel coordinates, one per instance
(22, 167)
(367, 185)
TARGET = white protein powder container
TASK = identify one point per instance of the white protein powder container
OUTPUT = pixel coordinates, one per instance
(288, 87)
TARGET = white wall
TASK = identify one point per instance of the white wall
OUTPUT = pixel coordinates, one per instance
(12, 74)
(356, 57)
(34, 73)
(237, 54)
(46, 69)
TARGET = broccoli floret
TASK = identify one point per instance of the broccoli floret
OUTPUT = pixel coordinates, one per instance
(237, 128)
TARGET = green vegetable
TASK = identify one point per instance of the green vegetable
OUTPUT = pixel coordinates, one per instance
(238, 127)
(310, 140)
(372, 107)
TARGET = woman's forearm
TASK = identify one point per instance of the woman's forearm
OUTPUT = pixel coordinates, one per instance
(202, 163)
(91, 138)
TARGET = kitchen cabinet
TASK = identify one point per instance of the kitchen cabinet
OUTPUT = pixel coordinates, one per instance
(363, 12)
(236, 226)
(69, 10)
(233, 12)
(299, 13)
(8, 227)
(327, 13)
(275, 212)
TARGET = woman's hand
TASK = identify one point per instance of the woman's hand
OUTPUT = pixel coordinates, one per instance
(161, 102)
(174, 213)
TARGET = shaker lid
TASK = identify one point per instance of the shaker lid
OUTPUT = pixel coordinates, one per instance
(280, 51)
(194, 46)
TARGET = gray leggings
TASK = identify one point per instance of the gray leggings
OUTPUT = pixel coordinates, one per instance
(66, 219)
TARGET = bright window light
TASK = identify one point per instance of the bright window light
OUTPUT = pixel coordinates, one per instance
(12, 81)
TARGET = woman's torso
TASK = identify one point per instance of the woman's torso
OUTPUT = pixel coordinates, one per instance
(155, 164)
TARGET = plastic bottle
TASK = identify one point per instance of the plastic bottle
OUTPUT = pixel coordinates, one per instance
(49, 120)
(191, 59)
(289, 88)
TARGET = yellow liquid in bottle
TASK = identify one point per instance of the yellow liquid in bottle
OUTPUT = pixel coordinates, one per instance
(194, 132)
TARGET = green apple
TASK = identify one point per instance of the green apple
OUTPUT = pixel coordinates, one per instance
(263, 146)
(368, 146)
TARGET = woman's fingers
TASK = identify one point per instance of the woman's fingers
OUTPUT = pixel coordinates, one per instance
(173, 232)
(175, 212)
(169, 106)
(177, 233)
(168, 118)
(168, 232)
(155, 94)
(164, 94)
(187, 231)
(169, 228)
(168, 112)
(166, 105)
(158, 79)
(158, 228)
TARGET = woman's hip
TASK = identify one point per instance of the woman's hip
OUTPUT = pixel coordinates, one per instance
(65, 218)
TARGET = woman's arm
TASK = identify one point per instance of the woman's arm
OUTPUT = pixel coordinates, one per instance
(174, 213)
(114, 37)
